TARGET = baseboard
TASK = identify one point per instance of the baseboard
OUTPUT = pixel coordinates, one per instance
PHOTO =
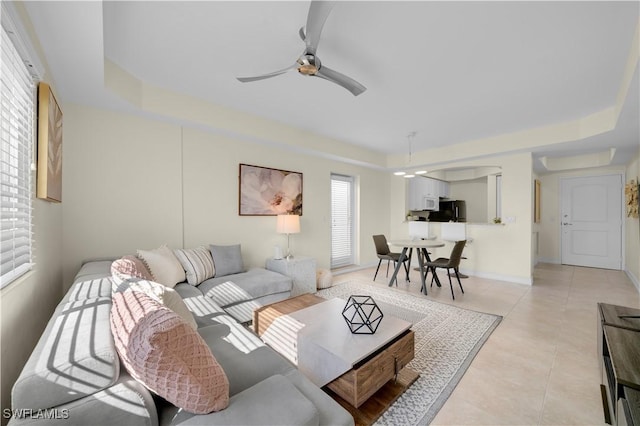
(353, 268)
(498, 277)
(491, 276)
(633, 279)
(549, 260)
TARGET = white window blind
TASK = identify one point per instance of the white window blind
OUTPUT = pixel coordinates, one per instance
(17, 99)
(342, 223)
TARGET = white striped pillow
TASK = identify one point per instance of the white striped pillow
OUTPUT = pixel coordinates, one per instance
(197, 263)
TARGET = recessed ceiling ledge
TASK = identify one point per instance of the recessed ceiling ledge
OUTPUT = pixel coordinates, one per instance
(199, 113)
(598, 159)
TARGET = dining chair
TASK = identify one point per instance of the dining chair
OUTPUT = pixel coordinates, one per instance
(383, 252)
(452, 262)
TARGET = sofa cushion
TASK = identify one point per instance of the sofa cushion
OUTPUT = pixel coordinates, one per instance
(226, 293)
(90, 289)
(163, 295)
(186, 290)
(331, 413)
(227, 259)
(74, 357)
(93, 269)
(129, 267)
(163, 265)
(197, 263)
(257, 282)
(127, 402)
(243, 312)
(244, 367)
(164, 353)
(273, 401)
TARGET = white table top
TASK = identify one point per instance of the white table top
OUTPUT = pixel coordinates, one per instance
(417, 243)
(327, 348)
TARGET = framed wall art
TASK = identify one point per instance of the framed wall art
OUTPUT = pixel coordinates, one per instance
(268, 192)
(536, 202)
(49, 175)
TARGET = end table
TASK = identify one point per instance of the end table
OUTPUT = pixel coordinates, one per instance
(301, 269)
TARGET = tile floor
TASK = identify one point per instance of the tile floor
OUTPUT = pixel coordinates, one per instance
(540, 366)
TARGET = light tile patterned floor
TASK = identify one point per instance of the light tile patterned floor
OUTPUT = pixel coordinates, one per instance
(540, 366)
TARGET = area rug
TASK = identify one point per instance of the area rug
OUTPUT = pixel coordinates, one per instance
(447, 338)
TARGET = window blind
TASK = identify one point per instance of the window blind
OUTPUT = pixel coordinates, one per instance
(342, 226)
(17, 118)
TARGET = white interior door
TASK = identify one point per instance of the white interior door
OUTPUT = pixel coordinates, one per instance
(591, 221)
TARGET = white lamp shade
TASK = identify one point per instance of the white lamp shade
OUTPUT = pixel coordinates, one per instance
(288, 224)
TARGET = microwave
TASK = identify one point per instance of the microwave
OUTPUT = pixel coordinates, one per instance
(430, 203)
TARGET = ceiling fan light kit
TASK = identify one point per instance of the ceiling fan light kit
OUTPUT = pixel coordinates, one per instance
(308, 63)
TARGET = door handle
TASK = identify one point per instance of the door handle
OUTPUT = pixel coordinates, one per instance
(565, 223)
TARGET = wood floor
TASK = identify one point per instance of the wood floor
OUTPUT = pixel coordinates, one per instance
(540, 366)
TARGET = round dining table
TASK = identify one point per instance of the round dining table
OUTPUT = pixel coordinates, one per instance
(423, 256)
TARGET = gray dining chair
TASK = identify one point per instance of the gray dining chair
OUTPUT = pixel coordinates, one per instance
(452, 262)
(383, 252)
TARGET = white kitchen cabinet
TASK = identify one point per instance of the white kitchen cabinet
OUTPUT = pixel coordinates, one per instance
(422, 193)
(443, 189)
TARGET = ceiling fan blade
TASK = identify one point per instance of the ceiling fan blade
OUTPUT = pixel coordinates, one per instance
(272, 74)
(341, 79)
(318, 13)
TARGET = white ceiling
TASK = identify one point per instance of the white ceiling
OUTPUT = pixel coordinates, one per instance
(450, 71)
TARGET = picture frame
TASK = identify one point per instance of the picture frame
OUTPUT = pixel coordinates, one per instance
(264, 191)
(49, 171)
(536, 202)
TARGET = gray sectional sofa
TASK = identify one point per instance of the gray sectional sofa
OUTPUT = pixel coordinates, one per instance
(74, 375)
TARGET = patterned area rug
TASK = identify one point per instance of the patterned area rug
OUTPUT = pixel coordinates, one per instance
(447, 339)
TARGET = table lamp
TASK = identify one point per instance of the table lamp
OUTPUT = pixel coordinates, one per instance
(288, 224)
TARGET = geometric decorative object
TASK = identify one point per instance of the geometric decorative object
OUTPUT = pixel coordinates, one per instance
(362, 314)
(49, 175)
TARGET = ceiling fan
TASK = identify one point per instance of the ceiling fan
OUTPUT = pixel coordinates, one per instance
(308, 63)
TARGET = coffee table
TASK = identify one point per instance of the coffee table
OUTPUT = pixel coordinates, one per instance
(311, 332)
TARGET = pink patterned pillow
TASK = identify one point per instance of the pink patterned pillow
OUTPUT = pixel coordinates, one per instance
(160, 350)
(129, 267)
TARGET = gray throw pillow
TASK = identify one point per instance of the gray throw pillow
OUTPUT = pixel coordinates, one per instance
(227, 259)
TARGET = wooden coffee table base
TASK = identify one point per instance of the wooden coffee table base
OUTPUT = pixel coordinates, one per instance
(368, 389)
(377, 404)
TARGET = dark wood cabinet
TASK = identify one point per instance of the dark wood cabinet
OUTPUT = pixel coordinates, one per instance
(619, 352)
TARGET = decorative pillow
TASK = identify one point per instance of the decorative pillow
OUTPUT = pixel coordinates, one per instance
(227, 259)
(129, 267)
(197, 263)
(164, 266)
(163, 295)
(166, 355)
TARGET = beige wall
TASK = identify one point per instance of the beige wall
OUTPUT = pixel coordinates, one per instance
(632, 231)
(139, 183)
(486, 254)
(549, 227)
(27, 303)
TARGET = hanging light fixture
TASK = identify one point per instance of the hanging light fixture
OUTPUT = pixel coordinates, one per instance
(409, 175)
